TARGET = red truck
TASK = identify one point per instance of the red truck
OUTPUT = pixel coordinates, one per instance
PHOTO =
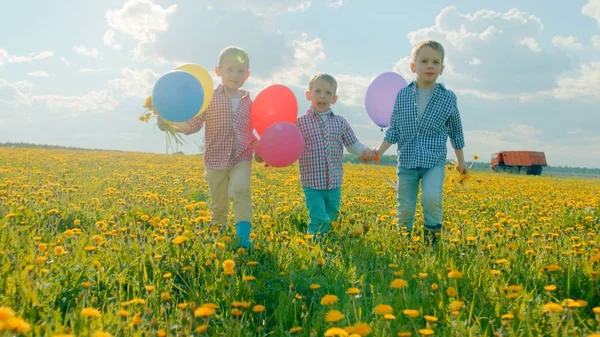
(519, 162)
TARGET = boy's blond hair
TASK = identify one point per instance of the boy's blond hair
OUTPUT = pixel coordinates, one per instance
(430, 43)
(325, 77)
(236, 52)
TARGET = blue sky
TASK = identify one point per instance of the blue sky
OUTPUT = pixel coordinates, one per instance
(75, 73)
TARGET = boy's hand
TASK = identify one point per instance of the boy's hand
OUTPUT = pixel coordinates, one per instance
(462, 167)
(367, 156)
(161, 124)
(258, 158)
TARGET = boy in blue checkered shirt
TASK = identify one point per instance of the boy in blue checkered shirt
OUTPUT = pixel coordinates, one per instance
(424, 116)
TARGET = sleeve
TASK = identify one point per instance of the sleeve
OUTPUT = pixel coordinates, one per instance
(392, 135)
(197, 122)
(348, 136)
(357, 148)
(454, 125)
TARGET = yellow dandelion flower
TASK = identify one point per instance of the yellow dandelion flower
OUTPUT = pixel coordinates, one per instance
(329, 300)
(204, 312)
(236, 312)
(296, 329)
(456, 305)
(550, 287)
(180, 239)
(6, 313)
(258, 308)
(90, 312)
(362, 329)
(315, 286)
(102, 334)
(333, 332)
(389, 317)
(426, 332)
(399, 284)
(451, 291)
(353, 291)
(430, 318)
(455, 274)
(202, 328)
(508, 316)
(552, 307)
(228, 264)
(411, 313)
(383, 309)
(334, 316)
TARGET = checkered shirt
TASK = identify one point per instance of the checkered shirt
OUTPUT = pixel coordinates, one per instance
(222, 125)
(321, 160)
(422, 143)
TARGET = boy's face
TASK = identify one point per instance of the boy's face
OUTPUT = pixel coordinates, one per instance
(428, 65)
(321, 95)
(233, 73)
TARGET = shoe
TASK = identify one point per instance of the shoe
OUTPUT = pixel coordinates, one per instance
(431, 234)
(242, 235)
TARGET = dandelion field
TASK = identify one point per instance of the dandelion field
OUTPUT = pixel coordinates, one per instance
(118, 244)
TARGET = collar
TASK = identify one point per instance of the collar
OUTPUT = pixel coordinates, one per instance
(312, 112)
(221, 89)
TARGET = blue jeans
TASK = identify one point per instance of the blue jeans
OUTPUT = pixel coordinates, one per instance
(432, 180)
(323, 208)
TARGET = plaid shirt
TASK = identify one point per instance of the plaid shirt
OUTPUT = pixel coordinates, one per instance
(321, 160)
(222, 125)
(422, 143)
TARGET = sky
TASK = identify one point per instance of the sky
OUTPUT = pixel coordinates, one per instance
(527, 76)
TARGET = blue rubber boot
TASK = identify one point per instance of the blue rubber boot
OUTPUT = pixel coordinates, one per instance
(242, 233)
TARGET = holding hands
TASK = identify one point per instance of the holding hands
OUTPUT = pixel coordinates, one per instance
(367, 155)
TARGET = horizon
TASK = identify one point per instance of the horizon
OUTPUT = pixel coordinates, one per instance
(524, 80)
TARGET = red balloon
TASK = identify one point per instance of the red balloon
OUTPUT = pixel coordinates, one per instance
(275, 103)
(281, 144)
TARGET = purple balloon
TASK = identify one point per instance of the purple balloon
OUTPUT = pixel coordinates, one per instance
(281, 144)
(381, 97)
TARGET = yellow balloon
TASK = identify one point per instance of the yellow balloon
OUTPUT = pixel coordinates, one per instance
(205, 80)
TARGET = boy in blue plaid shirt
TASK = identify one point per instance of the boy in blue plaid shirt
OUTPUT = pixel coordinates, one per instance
(424, 116)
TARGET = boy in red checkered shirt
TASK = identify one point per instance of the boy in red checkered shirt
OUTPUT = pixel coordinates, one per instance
(229, 144)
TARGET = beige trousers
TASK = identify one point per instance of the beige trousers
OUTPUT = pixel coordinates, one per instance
(233, 182)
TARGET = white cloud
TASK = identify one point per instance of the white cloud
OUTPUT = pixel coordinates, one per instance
(135, 82)
(475, 61)
(16, 94)
(109, 39)
(65, 61)
(213, 29)
(592, 9)
(596, 41)
(93, 101)
(83, 50)
(352, 89)
(38, 74)
(481, 49)
(532, 44)
(569, 42)
(6, 57)
(266, 8)
(91, 70)
(308, 53)
(575, 132)
(334, 3)
(583, 86)
(140, 19)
